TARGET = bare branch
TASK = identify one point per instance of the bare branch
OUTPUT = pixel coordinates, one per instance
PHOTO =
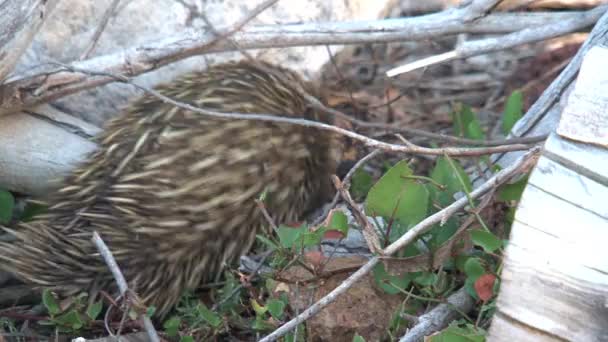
(315, 103)
(525, 36)
(53, 84)
(369, 233)
(499, 178)
(373, 143)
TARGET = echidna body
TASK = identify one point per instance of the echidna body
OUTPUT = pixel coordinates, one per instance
(172, 192)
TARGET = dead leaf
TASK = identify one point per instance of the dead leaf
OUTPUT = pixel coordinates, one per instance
(484, 286)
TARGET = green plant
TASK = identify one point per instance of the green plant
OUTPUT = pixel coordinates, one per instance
(7, 203)
(513, 111)
(402, 199)
(74, 317)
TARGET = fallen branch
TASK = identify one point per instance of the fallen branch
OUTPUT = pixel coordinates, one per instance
(440, 316)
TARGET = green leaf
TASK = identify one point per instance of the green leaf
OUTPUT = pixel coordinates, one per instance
(473, 268)
(70, 319)
(454, 333)
(276, 308)
(261, 324)
(273, 246)
(509, 218)
(426, 279)
(512, 192)
(259, 309)
(50, 303)
(31, 210)
(94, 309)
(488, 241)
(389, 283)
(171, 326)
(450, 177)
(310, 238)
(396, 195)
(474, 131)
(288, 236)
(150, 311)
(338, 222)
(209, 316)
(459, 262)
(513, 111)
(466, 123)
(358, 338)
(361, 183)
(439, 234)
(186, 339)
(229, 299)
(7, 203)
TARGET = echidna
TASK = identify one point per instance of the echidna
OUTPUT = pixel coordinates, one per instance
(172, 192)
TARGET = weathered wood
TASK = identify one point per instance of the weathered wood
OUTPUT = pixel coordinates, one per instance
(555, 279)
(588, 122)
(543, 117)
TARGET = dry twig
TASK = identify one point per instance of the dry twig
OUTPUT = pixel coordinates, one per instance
(369, 233)
(121, 282)
(346, 184)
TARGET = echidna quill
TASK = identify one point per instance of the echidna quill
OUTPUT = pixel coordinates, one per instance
(172, 192)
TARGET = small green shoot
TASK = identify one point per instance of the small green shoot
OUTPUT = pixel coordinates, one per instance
(7, 204)
(513, 111)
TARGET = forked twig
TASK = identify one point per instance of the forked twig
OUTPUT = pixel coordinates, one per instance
(121, 282)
